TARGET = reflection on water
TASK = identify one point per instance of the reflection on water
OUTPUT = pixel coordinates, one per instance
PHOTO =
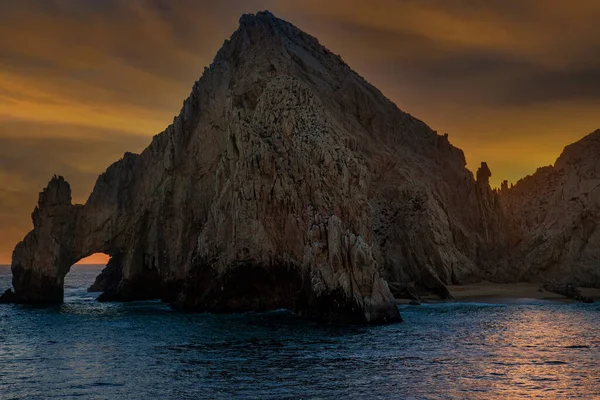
(144, 350)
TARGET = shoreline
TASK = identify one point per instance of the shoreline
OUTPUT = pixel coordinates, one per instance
(504, 293)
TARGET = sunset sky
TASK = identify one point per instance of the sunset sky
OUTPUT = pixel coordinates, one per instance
(83, 81)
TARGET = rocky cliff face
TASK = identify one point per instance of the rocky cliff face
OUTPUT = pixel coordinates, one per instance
(555, 214)
(286, 181)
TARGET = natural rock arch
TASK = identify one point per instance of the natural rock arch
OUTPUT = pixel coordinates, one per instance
(43, 259)
(63, 234)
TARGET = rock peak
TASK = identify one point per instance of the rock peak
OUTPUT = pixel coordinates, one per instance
(58, 191)
(484, 174)
(583, 151)
(262, 17)
(264, 26)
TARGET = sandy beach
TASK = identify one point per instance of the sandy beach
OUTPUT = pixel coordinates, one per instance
(505, 293)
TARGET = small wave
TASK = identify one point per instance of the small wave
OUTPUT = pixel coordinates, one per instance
(108, 384)
(543, 379)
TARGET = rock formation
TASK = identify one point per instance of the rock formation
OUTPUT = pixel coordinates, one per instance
(567, 290)
(286, 181)
(555, 215)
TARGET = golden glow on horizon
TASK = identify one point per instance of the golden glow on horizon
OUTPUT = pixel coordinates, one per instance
(98, 259)
(83, 82)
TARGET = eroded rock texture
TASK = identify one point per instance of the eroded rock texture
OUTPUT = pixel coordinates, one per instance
(555, 216)
(286, 181)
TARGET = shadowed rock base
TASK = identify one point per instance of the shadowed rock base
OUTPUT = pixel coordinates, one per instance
(251, 287)
(41, 289)
(244, 287)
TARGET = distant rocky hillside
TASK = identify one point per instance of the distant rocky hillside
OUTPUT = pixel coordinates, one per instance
(555, 215)
(289, 181)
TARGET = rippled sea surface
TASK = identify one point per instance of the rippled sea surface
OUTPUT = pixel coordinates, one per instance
(144, 350)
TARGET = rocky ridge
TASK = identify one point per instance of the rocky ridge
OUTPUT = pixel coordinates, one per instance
(555, 215)
(286, 181)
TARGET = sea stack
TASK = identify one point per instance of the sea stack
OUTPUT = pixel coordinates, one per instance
(288, 181)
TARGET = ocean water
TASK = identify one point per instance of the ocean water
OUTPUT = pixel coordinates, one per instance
(143, 350)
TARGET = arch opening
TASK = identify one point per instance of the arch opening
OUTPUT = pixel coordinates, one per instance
(84, 278)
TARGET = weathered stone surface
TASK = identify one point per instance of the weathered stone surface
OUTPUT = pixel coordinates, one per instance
(402, 290)
(286, 181)
(39, 261)
(566, 289)
(555, 215)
